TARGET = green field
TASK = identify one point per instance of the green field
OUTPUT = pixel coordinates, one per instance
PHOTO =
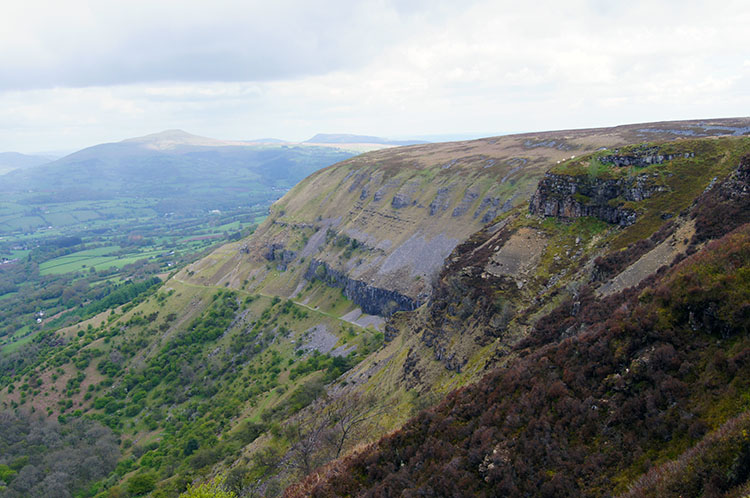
(99, 259)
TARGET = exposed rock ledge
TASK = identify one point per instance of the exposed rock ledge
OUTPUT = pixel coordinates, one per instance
(643, 158)
(279, 254)
(372, 300)
(565, 196)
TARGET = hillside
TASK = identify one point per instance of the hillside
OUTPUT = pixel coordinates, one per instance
(74, 229)
(641, 392)
(381, 284)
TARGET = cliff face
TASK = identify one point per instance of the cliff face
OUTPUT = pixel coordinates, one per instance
(645, 156)
(565, 196)
(373, 300)
(383, 223)
(577, 418)
(498, 283)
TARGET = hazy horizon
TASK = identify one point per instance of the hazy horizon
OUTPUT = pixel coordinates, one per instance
(83, 73)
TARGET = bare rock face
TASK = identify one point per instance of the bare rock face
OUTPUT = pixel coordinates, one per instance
(644, 157)
(493, 208)
(737, 186)
(565, 196)
(405, 195)
(470, 196)
(442, 200)
(280, 254)
(373, 300)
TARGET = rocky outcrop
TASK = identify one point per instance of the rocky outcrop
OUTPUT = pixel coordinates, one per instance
(470, 196)
(442, 200)
(565, 196)
(383, 191)
(643, 157)
(724, 205)
(405, 195)
(495, 208)
(372, 300)
(738, 184)
(278, 254)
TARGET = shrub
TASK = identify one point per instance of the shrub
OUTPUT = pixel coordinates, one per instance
(209, 489)
(140, 484)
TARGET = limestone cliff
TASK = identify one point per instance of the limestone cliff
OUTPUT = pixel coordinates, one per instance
(379, 226)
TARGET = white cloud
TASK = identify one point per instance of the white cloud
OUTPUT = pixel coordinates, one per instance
(107, 70)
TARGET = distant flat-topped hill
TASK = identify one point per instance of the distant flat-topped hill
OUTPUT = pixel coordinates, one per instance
(345, 138)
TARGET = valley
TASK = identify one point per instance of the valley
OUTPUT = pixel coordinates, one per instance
(73, 230)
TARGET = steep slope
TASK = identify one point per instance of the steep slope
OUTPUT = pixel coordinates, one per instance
(588, 414)
(597, 385)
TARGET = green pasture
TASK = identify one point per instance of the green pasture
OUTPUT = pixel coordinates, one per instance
(99, 259)
(7, 345)
(21, 223)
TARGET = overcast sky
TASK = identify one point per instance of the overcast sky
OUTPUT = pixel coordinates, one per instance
(81, 72)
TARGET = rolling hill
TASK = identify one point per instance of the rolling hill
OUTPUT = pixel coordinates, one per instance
(182, 171)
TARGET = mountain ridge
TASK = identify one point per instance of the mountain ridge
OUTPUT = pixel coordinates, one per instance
(417, 191)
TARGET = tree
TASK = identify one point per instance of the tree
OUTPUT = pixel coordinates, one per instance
(307, 452)
(348, 414)
(330, 427)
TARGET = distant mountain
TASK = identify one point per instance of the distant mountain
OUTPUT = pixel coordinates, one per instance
(184, 172)
(172, 139)
(15, 160)
(268, 141)
(176, 139)
(344, 138)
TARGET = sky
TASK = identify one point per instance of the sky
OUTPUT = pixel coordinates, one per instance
(81, 72)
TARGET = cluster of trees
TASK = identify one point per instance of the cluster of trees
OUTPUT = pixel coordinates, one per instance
(324, 432)
(43, 458)
(191, 387)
